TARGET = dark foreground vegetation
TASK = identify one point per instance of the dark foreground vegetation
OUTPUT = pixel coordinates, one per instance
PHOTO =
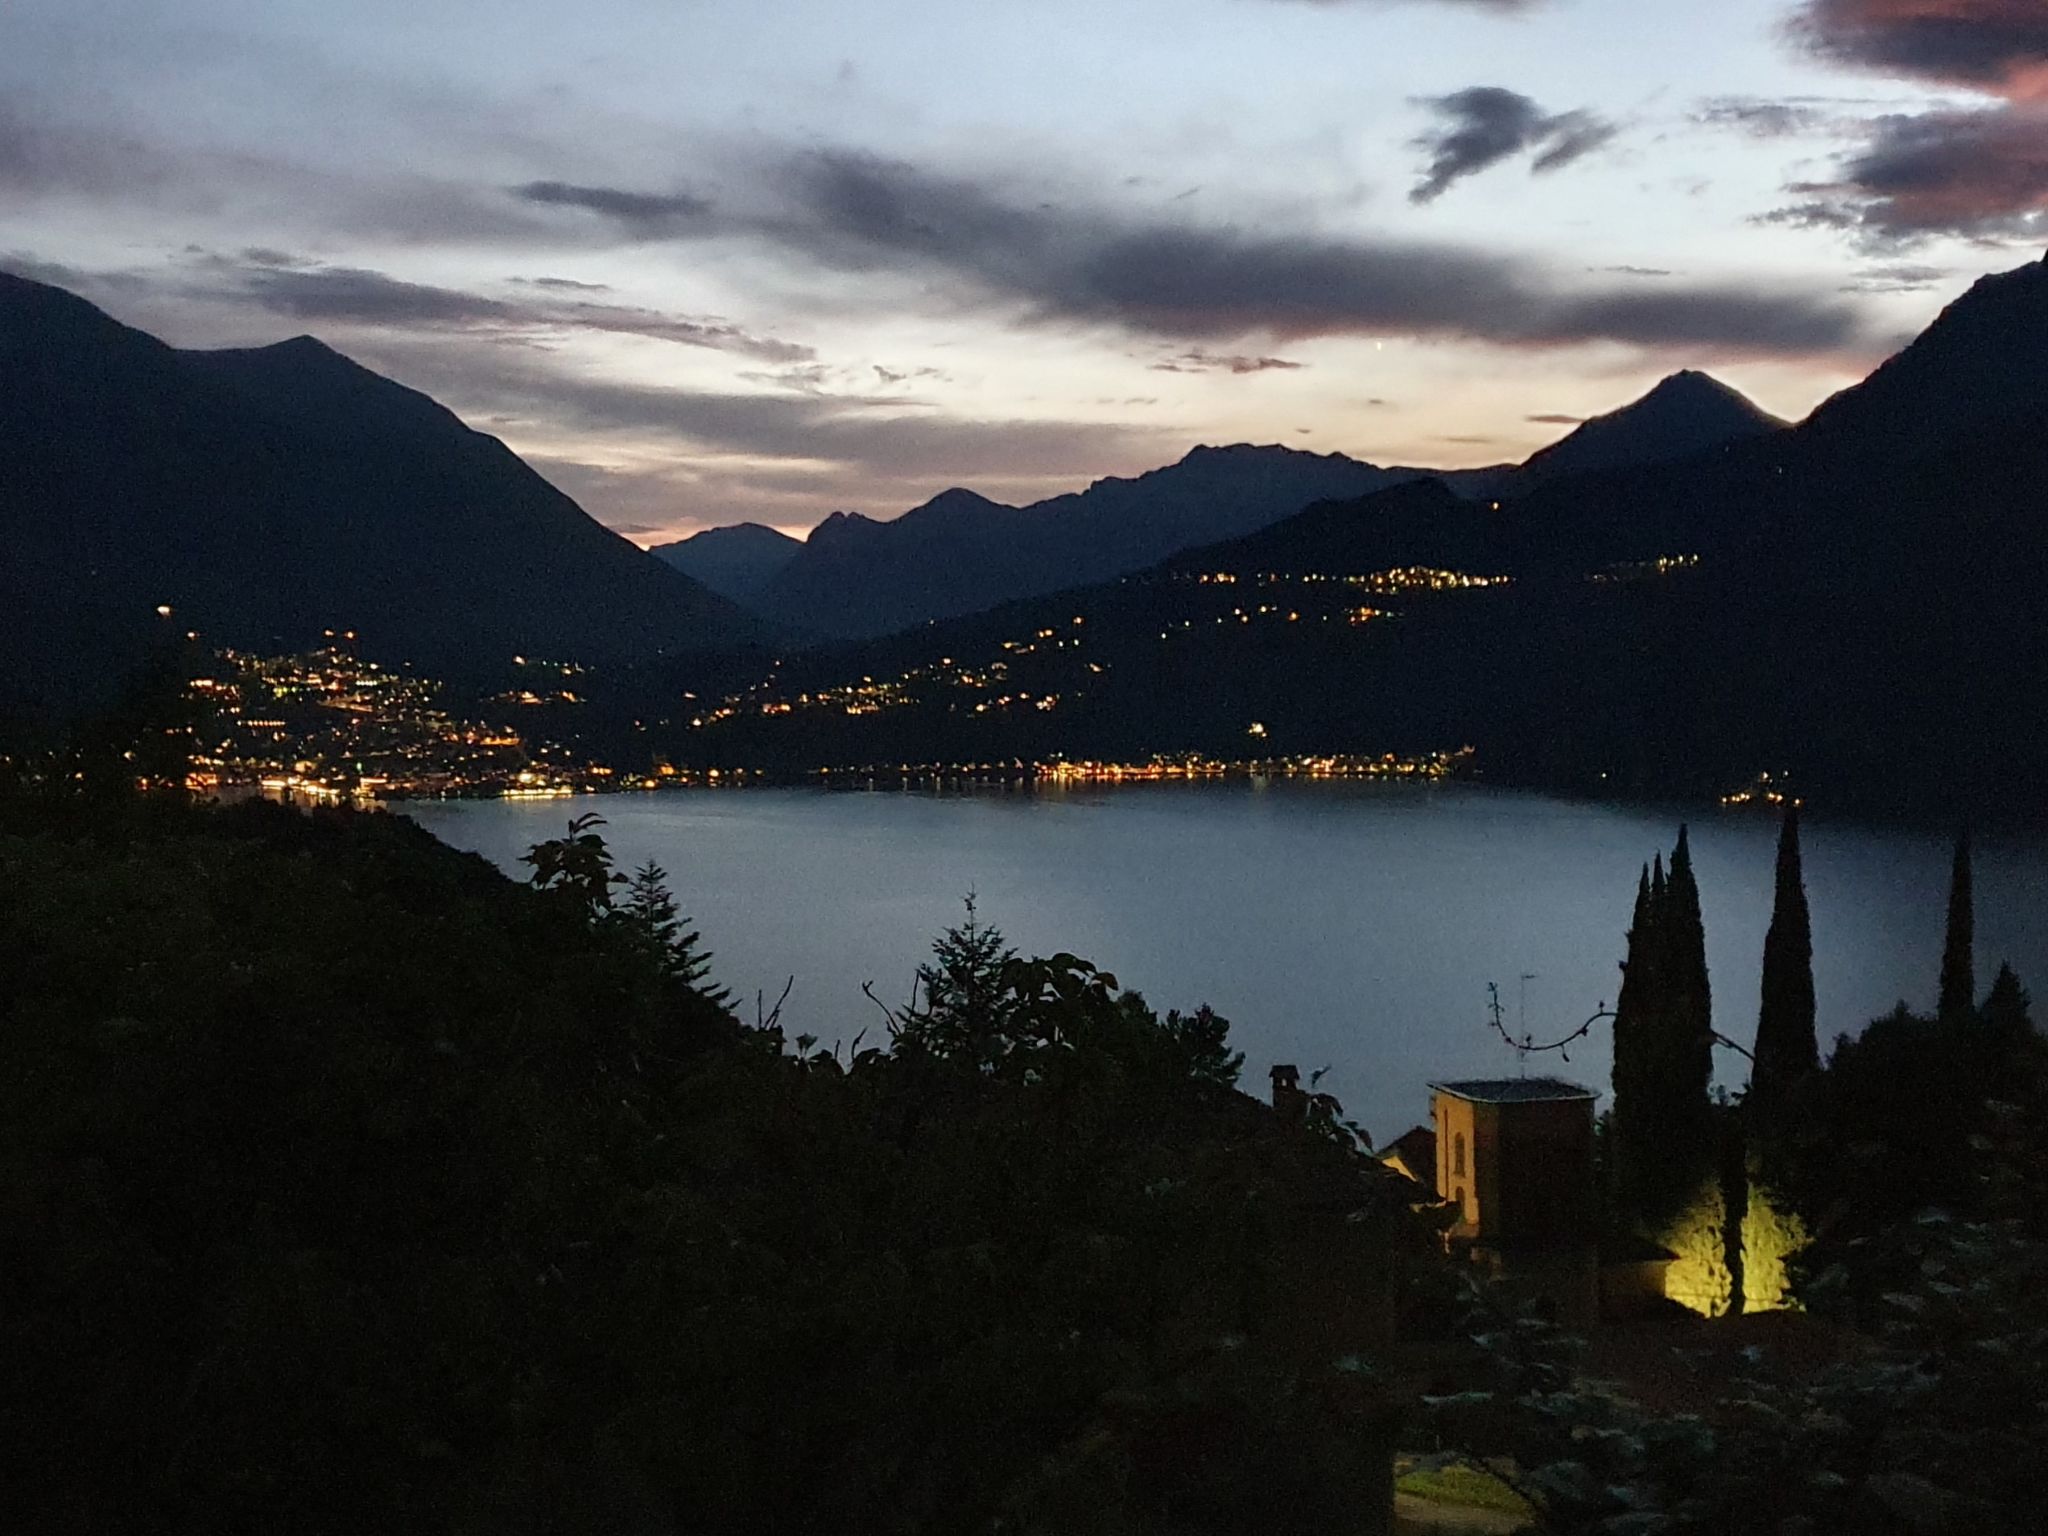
(348, 1185)
(351, 1186)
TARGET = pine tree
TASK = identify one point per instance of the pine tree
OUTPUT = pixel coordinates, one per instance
(961, 1014)
(649, 912)
(1958, 967)
(1786, 1047)
(2006, 1006)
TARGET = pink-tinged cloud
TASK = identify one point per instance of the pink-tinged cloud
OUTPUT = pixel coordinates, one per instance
(1996, 46)
(1982, 175)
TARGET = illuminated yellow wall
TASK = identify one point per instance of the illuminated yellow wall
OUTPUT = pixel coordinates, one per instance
(1699, 1279)
(1770, 1237)
(1455, 1118)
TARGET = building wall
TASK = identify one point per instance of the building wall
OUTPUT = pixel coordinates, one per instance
(1544, 1154)
(1528, 1169)
(1456, 1126)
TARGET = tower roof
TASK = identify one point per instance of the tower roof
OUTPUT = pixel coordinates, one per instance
(1514, 1090)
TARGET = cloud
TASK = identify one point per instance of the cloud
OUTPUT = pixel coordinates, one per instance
(671, 458)
(1505, 7)
(1626, 270)
(361, 296)
(562, 284)
(1977, 173)
(1487, 124)
(1996, 46)
(1980, 175)
(1555, 419)
(1899, 278)
(1072, 262)
(1197, 360)
(644, 215)
(1760, 117)
(530, 387)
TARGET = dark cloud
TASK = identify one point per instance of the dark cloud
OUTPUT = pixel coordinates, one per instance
(1197, 360)
(1555, 419)
(1999, 46)
(1207, 283)
(360, 296)
(1981, 175)
(562, 285)
(1486, 124)
(645, 215)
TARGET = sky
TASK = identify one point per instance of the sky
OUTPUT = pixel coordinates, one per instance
(704, 261)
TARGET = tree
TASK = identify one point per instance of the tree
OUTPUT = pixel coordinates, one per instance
(649, 913)
(962, 993)
(1958, 966)
(1630, 1121)
(1664, 1135)
(1692, 1004)
(578, 868)
(2006, 1005)
(1786, 1050)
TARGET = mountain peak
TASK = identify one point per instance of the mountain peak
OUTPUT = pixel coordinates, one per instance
(1684, 413)
(838, 526)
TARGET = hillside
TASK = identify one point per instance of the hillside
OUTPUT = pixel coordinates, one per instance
(267, 494)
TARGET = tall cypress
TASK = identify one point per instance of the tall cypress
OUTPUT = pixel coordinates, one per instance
(1958, 968)
(1662, 1127)
(1786, 1048)
(1632, 1119)
(1690, 1020)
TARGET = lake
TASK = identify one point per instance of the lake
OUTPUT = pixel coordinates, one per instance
(1347, 926)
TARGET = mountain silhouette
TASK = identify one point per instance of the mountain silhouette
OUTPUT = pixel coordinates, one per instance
(1685, 414)
(735, 561)
(1862, 613)
(961, 552)
(268, 494)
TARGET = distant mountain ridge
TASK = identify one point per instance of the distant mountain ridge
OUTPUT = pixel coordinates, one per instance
(266, 494)
(735, 561)
(1863, 613)
(960, 552)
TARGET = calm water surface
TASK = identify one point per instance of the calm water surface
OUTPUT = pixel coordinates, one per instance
(1347, 926)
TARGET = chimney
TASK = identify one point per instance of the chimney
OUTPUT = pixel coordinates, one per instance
(1289, 1102)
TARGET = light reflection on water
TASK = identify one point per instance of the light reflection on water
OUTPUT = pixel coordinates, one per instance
(1352, 926)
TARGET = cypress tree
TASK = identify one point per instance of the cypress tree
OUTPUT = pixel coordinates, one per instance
(1690, 1022)
(1958, 968)
(1786, 1048)
(1632, 1118)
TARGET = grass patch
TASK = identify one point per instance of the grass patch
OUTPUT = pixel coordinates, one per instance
(1466, 1487)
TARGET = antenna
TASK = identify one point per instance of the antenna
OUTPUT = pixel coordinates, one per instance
(1527, 1046)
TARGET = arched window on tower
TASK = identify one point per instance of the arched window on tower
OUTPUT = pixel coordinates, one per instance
(1458, 1156)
